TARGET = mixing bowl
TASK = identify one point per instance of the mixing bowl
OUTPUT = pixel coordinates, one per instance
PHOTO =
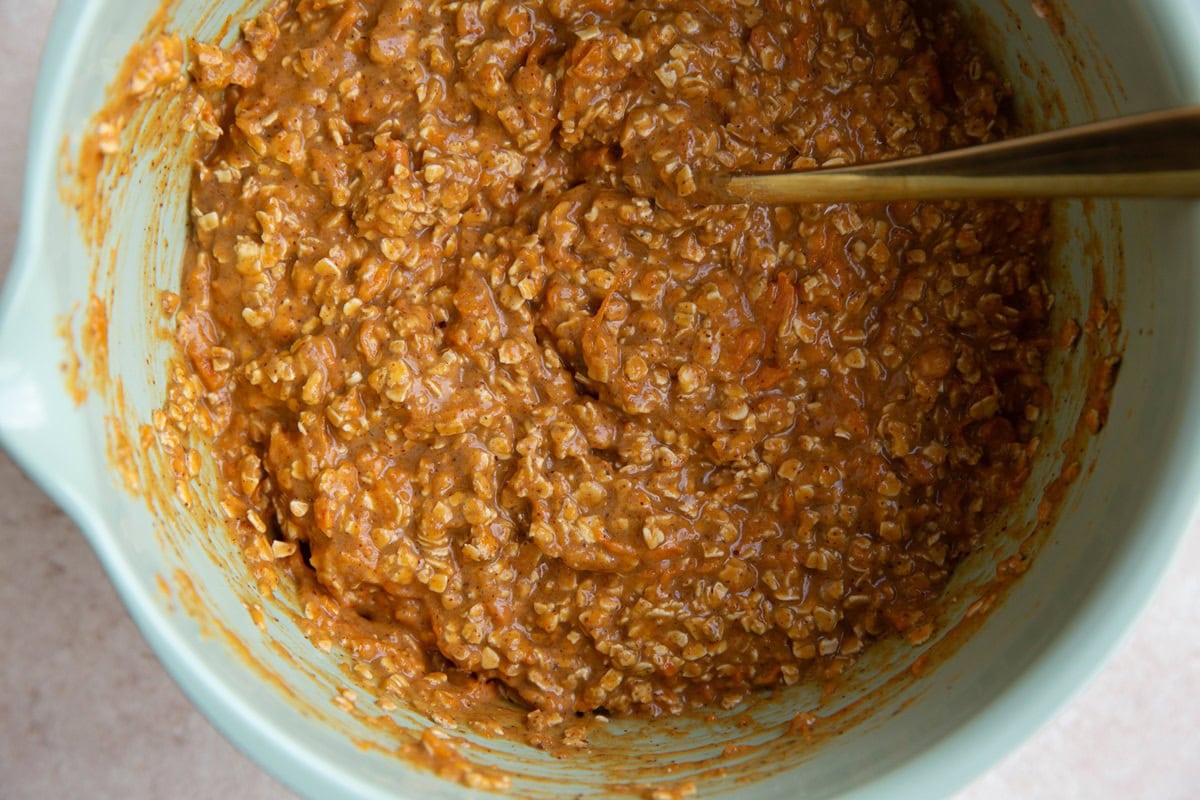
(84, 359)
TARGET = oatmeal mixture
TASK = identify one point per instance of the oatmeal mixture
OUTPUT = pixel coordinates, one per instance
(517, 411)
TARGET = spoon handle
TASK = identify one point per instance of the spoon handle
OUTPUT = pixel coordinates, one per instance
(1148, 155)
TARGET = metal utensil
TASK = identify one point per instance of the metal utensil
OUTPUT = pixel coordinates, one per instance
(1147, 155)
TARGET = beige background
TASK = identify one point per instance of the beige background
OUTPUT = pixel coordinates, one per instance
(87, 712)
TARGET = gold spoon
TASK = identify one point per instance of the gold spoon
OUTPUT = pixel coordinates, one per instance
(1148, 155)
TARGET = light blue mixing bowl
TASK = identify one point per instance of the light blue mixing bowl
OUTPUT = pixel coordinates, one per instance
(272, 692)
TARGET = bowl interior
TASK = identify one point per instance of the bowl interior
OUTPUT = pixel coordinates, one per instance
(244, 660)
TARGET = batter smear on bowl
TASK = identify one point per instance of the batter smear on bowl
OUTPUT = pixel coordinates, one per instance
(519, 414)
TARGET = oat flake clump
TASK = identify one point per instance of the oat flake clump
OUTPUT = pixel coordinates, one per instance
(516, 411)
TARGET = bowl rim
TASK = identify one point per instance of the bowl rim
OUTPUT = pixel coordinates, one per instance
(1055, 675)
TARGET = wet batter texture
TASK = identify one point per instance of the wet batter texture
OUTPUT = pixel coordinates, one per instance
(519, 413)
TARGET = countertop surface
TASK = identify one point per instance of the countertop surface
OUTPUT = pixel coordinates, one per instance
(87, 711)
